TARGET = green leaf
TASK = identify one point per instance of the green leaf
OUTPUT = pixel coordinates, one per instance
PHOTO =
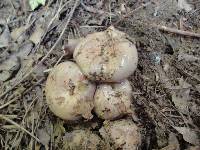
(35, 3)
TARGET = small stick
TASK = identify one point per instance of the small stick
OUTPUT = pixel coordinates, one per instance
(18, 126)
(87, 26)
(177, 31)
(187, 73)
(29, 108)
(8, 103)
(16, 98)
(61, 57)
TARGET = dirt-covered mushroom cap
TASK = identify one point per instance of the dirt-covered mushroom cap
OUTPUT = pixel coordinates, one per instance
(113, 100)
(107, 56)
(83, 139)
(68, 93)
(122, 134)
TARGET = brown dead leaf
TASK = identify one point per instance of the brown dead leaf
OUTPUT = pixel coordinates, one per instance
(24, 50)
(9, 67)
(161, 137)
(184, 84)
(173, 139)
(186, 57)
(26, 66)
(181, 97)
(181, 103)
(43, 136)
(183, 4)
(173, 143)
(195, 109)
(39, 72)
(19, 34)
(37, 35)
(198, 87)
(5, 37)
(189, 135)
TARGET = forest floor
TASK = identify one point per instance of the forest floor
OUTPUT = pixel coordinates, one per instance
(166, 84)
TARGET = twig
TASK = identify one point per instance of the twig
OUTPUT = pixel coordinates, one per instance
(8, 103)
(16, 98)
(131, 12)
(49, 52)
(87, 26)
(20, 127)
(177, 31)
(177, 66)
(171, 123)
(61, 57)
(29, 108)
(32, 131)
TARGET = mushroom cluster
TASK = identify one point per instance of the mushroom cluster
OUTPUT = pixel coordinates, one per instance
(97, 80)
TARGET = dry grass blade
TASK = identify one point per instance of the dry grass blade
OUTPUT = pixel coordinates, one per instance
(45, 57)
(16, 98)
(18, 126)
(176, 31)
(8, 103)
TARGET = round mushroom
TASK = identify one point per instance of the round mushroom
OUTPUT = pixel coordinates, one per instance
(122, 134)
(112, 101)
(69, 94)
(107, 56)
(83, 139)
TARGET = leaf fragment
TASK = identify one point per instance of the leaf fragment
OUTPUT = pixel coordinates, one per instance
(189, 135)
(35, 3)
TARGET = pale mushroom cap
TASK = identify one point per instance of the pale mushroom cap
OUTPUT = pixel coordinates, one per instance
(113, 100)
(69, 94)
(106, 56)
(83, 139)
(123, 134)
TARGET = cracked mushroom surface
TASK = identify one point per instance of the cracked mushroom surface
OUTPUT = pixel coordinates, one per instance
(122, 134)
(107, 56)
(112, 101)
(69, 94)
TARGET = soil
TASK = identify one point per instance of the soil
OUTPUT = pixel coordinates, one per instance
(166, 84)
